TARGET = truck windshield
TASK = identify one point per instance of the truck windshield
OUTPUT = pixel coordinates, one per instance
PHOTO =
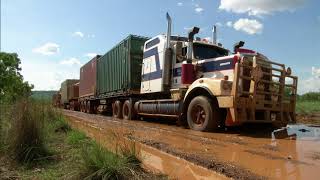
(202, 51)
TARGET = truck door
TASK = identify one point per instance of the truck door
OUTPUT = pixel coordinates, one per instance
(146, 68)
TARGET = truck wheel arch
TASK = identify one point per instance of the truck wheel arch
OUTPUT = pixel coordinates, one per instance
(200, 90)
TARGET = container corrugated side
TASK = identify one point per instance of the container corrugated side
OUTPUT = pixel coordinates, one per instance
(65, 96)
(119, 70)
(73, 91)
(88, 78)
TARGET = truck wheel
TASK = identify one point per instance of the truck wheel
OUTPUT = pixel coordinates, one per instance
(82, 106)
(88, 107)
(203, 114)
(127, 110)
(117, 109)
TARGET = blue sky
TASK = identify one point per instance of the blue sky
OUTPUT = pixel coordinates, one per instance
(54, 38)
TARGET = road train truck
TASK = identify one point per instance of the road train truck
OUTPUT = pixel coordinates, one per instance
(69, 94)
(196, 82)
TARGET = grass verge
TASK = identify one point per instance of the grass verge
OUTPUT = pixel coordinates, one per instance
(45, 147)
(307, 107)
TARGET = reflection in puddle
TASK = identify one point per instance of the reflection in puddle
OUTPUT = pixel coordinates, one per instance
(297, 131)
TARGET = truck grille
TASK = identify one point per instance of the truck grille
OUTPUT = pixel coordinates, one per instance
(264, 86)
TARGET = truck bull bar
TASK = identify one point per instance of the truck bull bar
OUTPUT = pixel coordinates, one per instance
(263, 91)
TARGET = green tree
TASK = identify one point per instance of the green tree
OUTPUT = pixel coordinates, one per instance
(12, 85)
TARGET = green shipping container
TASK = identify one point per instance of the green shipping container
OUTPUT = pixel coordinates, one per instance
(119, 70)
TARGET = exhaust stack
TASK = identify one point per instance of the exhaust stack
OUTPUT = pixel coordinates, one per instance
(192, 32)
(168, 30)
(214, 34)
(167, 62)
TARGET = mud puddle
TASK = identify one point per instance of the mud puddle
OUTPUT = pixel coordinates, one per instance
(289, 153)
(152, 159)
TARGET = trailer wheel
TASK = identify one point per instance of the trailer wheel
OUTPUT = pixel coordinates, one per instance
(127, 110)
(203, 114)
(82, 106)
(117, 109)
(88, 107)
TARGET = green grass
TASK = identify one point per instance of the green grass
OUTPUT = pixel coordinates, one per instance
(104, 164)
(307, 107)
(76, 137)
(44, 146)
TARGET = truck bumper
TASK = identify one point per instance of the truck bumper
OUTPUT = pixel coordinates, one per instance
(245, 109)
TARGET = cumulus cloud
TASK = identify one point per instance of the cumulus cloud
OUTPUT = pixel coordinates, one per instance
(199, 9)
(311, 83)
(315, 72)
(78, 34)
(47, 49)
(260, 7)
(71, 62)
(90, 55)
(249, 26)
(229, 23)
(219, 24)
(180, 4)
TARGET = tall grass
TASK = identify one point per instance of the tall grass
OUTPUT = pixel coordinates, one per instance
(27, 136)
(104, 164)
(4, 125)
(76, 137)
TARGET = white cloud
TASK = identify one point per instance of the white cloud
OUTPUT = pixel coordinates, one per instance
(78, 34)
(91, 36)
(249, 26)
(199, 9)
(315, 72)
(311, 83)
(47, 49)
(71, 62)
(219, 24)
(180, 4)
(48, 75)
(260, 7)
(229, 24)
(90, 55)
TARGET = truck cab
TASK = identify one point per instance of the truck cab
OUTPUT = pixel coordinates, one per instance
(210, 87)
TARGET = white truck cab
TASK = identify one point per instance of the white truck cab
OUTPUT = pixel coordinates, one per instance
(205, 85)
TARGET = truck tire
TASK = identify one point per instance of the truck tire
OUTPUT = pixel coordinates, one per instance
(203, 114)
(88, 107)
(128, 112)
(117, 109)
(82, 106)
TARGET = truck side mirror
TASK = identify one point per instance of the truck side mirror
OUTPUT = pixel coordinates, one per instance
(178, 50)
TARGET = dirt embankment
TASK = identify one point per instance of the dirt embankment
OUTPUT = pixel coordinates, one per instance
(312, 119)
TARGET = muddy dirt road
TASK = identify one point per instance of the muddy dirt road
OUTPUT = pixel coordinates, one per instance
(248, 152)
